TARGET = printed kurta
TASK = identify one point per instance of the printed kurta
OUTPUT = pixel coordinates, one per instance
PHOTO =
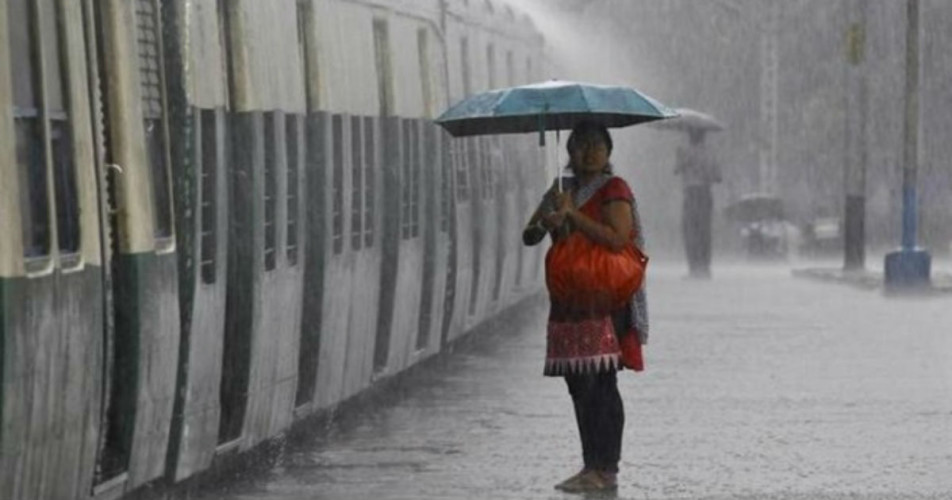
(580, 341)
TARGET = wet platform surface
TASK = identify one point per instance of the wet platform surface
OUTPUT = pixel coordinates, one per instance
(758, 386)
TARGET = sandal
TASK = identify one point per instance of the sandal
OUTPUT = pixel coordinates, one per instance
(570, 482)
(592, 481)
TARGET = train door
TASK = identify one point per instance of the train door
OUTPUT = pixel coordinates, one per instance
(143, 344)
(449, 155)
(431, 231)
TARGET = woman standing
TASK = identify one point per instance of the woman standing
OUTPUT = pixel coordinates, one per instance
(586, 346)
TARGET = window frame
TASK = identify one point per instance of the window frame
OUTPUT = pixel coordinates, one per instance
(51, 142)
(337, 184)
(270, 192)
(161, 206)
(211, 151)
(294, 156)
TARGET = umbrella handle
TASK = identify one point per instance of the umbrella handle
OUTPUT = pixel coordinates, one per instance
(558, 173)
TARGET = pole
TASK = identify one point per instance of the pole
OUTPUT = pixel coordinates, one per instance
(910, 267)
(854, 236)
(911, 140)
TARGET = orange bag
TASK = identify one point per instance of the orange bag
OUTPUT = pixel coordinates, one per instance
(583, 274)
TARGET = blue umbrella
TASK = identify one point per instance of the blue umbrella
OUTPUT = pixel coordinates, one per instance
(552, 105)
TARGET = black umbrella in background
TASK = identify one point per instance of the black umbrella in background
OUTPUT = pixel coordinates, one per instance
(689, 120)
(755, 207)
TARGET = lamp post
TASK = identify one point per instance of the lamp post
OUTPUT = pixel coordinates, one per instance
(857, 109)
(909, 267)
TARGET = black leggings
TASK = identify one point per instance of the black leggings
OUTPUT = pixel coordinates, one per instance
(600, 416)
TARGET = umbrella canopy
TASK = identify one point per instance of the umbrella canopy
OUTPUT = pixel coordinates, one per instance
(755, 207)
(690, 120)
(553, 105)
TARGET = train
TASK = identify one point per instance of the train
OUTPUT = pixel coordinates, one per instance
(222, 217)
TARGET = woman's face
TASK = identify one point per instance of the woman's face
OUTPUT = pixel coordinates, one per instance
(590, 154)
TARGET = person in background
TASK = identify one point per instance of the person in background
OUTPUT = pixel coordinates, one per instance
(699, 170)
(583, 346)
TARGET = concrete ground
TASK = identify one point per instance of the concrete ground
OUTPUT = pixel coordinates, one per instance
(759, 386)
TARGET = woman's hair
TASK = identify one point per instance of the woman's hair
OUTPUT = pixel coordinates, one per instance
(583, 130)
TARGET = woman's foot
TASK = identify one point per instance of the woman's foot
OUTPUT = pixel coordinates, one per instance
(570, 482)
(592, 481)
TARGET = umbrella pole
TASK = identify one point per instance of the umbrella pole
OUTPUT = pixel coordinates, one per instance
(558, 169)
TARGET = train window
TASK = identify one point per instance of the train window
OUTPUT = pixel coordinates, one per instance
(34, 200)
(370, 159)
(35, 29)
(474, 156)
(64, 184)
(357, 197)
(28, 126)
(458, 153)
(384, 66)
(464, 63)
(405, 195)
(484, 145)
(23, 53)
(151, 78)
(445, 192)
(52, 67)
(491, 151)
(423, 47)
(491, 65)
(209, 201)
(270, 191)
(61, 141)
(337, 210)
(292, 136)
(416, 166)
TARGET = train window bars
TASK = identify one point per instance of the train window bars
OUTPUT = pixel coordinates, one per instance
(491, 65)
(42, 129)
(410, 183)
(209, 190)
(292, 134)
(370, 159)
(415, 170)
(384, 66)
(405, 187)
(357, 184)
(270, 191)
(463, 146)
(474, 152)
(486, 169)
(152, 87)
(423, 49)
(337, 183)
(445, 173)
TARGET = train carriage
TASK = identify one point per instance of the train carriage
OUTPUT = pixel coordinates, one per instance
(345, 179)
(266, 244)
(51, 257)
(483, 41)
(220, 215)
(200, 149)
